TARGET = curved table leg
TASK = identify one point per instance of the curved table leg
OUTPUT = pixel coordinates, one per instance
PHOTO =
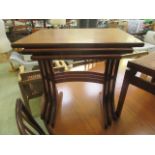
(107, 120)
(50, 102)
(112, 91)
(111, 69)
(49, 110)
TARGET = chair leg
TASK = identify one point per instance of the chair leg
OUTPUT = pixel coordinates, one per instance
(26, 100)
(123, 94)
(153, 79)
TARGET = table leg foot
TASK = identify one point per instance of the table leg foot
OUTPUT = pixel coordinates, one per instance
(108, 124)
(104, 107)
(55, 110)
(117, 116)
(114, 116)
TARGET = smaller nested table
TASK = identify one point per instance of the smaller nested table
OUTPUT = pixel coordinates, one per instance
(102, 44)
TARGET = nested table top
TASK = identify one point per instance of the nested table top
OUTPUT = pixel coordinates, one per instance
(79, 38)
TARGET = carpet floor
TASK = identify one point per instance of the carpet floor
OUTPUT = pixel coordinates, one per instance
(9, 92)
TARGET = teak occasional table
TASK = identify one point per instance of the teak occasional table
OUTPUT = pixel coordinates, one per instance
(104, 44)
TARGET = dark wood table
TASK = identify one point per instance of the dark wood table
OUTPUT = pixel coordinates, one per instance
(104, 44)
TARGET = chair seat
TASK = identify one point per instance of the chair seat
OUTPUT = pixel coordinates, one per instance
(145, 64)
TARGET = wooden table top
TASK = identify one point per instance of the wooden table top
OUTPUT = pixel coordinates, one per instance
(79, 38)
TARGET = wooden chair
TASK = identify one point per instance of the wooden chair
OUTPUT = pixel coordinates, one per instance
(30, 84)
(145, 65)
(25, 121)
(20, 28)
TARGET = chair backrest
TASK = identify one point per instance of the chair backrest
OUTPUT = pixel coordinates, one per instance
(25, 121)
(5, 45)
(150, 37)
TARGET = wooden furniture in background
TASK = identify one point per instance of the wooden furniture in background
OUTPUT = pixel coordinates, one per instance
(42, 22)
(31, 86)
(145, 65)
(25, 121)
(19, 29)
(104, 44)
(38, 24)
(21, 26)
